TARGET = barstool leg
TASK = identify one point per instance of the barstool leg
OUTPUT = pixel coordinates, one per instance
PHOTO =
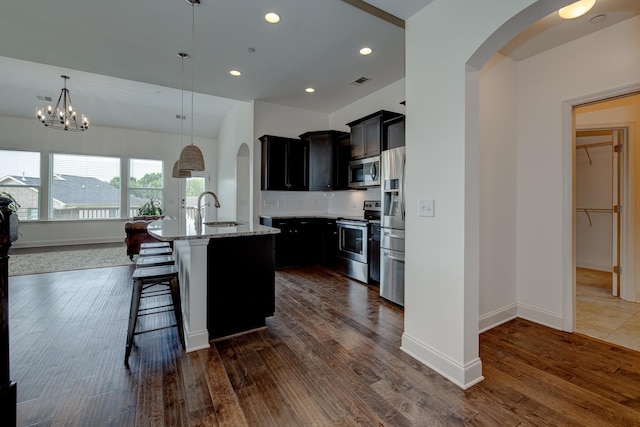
(136, 293)
(177, 307)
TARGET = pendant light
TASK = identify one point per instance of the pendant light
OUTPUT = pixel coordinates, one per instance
(177, 173)
(191, 158)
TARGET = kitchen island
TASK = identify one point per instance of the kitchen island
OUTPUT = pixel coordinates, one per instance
(226, 276)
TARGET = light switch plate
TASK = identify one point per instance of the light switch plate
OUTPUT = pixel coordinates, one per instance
(427, 207)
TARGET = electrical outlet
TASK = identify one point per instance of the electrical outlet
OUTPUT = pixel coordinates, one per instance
(427, 207)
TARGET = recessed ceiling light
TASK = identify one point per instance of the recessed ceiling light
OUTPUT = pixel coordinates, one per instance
(577, 9)
(272, 18)
(235, 73)
(365, 51)
(309, 90)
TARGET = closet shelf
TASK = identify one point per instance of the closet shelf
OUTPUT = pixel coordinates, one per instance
(593, 210)
(594, 145)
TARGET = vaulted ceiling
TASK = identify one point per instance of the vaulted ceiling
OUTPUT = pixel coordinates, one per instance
(122, 55)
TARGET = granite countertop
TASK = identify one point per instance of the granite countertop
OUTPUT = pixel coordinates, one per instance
(286, 216)
(170, 230)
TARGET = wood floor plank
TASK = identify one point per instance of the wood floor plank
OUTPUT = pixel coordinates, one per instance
(330, 357)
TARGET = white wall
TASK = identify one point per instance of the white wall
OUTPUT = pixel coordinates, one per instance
(236, 129)
(443, 132)
(498, 118)
(547, 84)
(26, 134)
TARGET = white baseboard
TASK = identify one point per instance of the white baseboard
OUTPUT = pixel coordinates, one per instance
(543, 317)
(464, 376)
(194, 341)
(59, 242)
(497, 317)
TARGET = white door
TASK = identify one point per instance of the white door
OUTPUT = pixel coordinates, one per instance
(191, 189)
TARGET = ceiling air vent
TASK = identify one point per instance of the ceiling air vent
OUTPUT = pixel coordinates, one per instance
(360, 80)
(44, 98)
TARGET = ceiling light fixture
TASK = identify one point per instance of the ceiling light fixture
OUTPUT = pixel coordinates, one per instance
(272, 18)
(177, 173)
(577, 9)
(365, 51)
(191, 158)
(64, 116)
(235, 73)
(309, 90)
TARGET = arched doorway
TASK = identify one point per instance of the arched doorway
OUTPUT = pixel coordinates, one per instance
(243, 184)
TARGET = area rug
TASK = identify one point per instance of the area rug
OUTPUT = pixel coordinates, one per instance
(64, 260)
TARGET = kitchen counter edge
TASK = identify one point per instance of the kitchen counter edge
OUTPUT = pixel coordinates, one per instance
(170, 230)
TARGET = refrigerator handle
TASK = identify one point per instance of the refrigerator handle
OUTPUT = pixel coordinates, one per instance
(404, 185)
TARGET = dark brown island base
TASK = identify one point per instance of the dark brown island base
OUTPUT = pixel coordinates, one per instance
(241, 284)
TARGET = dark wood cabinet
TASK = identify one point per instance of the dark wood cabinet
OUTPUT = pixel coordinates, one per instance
(367, 135)
(395, 135)
(285, 163)
(303, 241)
(241, 287)
(329, 155)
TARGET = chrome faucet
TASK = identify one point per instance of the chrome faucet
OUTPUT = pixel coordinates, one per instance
(198, 220)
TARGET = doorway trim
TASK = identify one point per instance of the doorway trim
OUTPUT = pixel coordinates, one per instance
(569, 202)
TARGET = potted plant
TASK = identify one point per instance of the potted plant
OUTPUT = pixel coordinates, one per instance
(151, 208)
(13, 219)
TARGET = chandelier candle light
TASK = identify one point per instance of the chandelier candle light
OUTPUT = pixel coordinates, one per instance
(191, 158)
(64, 116)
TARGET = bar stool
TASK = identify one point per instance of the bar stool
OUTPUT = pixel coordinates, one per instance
(154, 282)
(155, 260)
(155, 251)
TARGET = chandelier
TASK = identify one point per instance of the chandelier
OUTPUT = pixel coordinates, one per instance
(63, 117)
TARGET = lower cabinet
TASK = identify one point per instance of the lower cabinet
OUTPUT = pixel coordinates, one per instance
(303, 241)
(241, 284)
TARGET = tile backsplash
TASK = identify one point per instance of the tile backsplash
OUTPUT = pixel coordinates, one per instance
(348, 203)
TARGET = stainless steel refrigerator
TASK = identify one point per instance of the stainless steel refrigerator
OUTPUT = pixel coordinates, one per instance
(392, 184)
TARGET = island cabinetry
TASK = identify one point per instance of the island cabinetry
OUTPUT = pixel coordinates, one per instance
(285, 163)
(241, 284)
(329, 153)
(367, 134)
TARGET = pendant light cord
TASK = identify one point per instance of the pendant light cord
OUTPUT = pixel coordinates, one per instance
(193, 59)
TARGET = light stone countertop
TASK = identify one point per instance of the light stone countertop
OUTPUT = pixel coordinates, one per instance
(170, 229)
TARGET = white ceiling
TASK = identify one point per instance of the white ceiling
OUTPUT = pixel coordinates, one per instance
(122, 58)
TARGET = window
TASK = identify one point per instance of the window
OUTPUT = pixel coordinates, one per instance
(84, 187)
(146, 182)
(20, 178)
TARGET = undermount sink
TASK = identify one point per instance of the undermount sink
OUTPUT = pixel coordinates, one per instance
(222, 223)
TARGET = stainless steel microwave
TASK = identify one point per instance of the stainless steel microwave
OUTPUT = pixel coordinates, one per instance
(364, 172)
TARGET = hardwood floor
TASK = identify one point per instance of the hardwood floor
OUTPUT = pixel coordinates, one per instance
(330, 356)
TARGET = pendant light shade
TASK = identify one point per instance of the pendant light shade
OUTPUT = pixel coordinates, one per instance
(191, 159)
(177, 173)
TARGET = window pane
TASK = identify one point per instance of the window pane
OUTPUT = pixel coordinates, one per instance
(146, 182)
(84, 187)
(20, 178)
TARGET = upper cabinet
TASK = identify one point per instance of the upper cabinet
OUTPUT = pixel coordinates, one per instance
(368, 135)
(329, 153)
(285, 163)
(394, 132)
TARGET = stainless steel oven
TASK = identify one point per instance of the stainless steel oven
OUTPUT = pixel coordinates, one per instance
(352, 255)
